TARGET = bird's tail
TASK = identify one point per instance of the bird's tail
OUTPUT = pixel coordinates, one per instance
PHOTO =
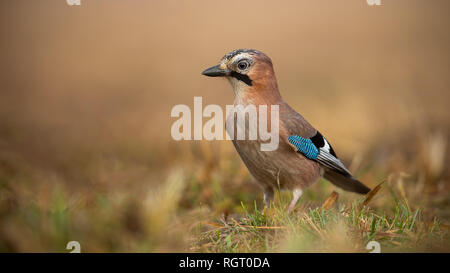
(346, 182)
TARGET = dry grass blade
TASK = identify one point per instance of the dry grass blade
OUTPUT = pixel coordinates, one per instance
(391, 233)
(331, 200)
(442, 226)
(371, 194)
(214, 225)
(258, 227)
(263, 227)
(246, 226)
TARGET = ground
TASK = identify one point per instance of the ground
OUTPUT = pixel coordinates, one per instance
(211, 205)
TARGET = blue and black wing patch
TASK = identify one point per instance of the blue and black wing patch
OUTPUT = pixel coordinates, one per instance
(305, 146)
(318, 149)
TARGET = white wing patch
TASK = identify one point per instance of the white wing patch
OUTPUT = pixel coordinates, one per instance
(326, 147)
(328, 160)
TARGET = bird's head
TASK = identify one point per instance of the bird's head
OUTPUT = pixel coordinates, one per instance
(247, 70)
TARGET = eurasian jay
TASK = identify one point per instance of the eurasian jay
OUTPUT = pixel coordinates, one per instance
(303, 154)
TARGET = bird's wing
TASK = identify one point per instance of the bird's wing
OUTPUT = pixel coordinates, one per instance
(318, 149)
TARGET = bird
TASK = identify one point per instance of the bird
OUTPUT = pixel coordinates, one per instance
(303, 155)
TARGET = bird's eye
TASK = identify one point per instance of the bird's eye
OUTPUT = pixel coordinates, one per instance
(242, 65)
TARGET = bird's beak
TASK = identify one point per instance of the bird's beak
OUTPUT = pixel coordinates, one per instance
(216, 71)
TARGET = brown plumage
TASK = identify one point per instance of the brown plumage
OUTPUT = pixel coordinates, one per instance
(252, 77)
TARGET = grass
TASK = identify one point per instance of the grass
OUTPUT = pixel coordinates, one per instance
(402, 213)
(338, 229)
(209, 204)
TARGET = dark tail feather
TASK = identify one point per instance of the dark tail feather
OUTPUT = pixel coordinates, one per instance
(347, 183)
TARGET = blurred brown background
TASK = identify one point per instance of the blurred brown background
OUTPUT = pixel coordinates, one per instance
(86, 91)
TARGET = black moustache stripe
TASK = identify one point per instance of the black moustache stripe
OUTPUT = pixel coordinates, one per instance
(244, 78)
